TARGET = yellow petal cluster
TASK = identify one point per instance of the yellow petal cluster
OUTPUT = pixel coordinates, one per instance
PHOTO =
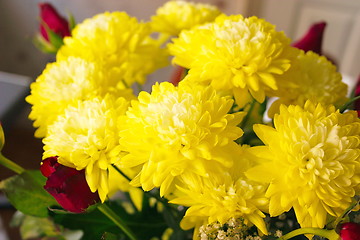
(311, 162)
(310, 77)
(118, 42)
(177, 131)
(222, 196)
(184, 139)
(234, 54)
(176, 16)
(65, 82)
(86, 137)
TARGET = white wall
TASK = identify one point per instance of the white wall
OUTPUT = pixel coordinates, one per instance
(19, 23)
(342, 34)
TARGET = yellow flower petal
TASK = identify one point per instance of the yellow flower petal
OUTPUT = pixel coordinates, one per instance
(309, 162)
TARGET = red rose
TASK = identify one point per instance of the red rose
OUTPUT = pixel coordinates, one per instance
(68, 186)
(312, 40)
(50, 19)
(350, 231)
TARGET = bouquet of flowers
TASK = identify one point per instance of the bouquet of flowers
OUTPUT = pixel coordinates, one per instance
(194, 157)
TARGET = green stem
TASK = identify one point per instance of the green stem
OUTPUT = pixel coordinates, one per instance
(346, 105)
(121, 172)
(173, 211)
(246, 118)
(329, 234)
(125, 83)
(345, 214)
(108, 212)
(10, 164)
(160, 199)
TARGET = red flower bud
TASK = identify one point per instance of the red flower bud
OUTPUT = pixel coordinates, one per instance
(68, 186)
(350, 231)
(312, 40)
(51, 19)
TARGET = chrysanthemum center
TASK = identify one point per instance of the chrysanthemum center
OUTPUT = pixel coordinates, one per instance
(174, 119)
(237, 43)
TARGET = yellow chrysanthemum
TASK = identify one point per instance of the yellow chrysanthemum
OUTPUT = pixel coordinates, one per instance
(311, 161)
(65, 82)
(222, 196)
(177, 131)
(86, 137)
(310, 77)
(234, 53)
(118, 42)
(176, 16)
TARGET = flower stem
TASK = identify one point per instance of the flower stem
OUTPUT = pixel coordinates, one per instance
(246, 118)
(345, 213)
(121, 172)
(10, 164)
(157, 197)
(125, 83)
(108, 212)
(174, 214)
(329, 234)
(346, 105)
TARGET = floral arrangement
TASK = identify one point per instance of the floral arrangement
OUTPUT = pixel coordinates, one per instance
(194, 157)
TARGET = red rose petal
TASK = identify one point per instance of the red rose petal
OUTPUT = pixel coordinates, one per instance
(312, 40)
(68, 186)
(350, 231)
(51, 18)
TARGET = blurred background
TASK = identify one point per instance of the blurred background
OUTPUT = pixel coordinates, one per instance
(21, 62)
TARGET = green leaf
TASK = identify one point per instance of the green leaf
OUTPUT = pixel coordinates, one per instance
(26, 193)
(54, 43)
(55, 39)
(42, 228)
(72, 22)
(43, 45)
(93, 224)
(2, 137)
(149, 222)
(146, 224)
(109, 236)
(36, 227)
